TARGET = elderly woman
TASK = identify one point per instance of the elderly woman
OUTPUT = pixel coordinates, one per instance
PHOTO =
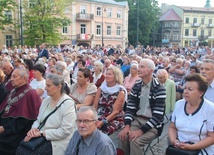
(38, 83)
(169, 85)
(97, 77)
(60, 126)
(109, 101)
(192, 118)
(83, 92)
(133, 76)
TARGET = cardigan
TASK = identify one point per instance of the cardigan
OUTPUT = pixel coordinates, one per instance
(156, 96)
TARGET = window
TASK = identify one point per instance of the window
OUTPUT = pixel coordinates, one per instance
(119, 14)
(194, 20)
(175, 36)
(31, 3)
(187, 20)
(118, 30)
(9, 40)
(166, 35)
(83, 28)
(202, 32)
(186, 32)
(98, 11)
(209, 33)
(65, 29)
(202, 20)
(109, 12)
(210, 21)
(83, 9)
(98, 29)
(108, 30)
(8, 15)
(194, 32)
(175, 24)
(167, 24)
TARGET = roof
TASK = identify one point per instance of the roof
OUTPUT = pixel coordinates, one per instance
(189, 8)
(170, 15)
(111, 2)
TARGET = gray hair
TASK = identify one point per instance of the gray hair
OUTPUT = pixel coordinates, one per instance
(57, 80)
(208, 61)
(88, 108)
(59, 69)
(23, 72)
(150, 64)
(100, 65)
(162, 72)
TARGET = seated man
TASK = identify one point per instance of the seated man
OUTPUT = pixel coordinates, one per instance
(144, 112)
(88, 140)
(17, 112)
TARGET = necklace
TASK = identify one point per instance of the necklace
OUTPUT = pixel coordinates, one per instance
(11, 100)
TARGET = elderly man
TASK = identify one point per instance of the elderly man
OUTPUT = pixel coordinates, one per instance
(7, 68)
(144, 112)
(17, 112)
(207, 70)
(88, 140)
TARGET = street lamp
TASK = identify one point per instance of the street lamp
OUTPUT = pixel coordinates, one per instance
(137, 3)
(21, 23)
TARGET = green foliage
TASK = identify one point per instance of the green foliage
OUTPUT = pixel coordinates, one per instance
(148, 20)
(6, 6)
(43, 19)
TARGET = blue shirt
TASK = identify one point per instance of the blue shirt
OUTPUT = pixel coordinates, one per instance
(97, 144)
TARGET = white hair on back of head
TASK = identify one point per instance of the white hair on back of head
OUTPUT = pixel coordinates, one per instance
(150, 64)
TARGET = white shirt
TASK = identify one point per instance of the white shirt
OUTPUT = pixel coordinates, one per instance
(38, 84)
(209, 95)
(192, 126)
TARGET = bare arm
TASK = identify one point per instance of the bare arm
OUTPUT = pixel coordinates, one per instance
(172, 133)
(39, 91)
(96, 99)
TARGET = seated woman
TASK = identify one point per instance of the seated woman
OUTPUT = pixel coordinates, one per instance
(60, 126)
(38, 82)
(97, 77)
(192, 118)
(130, 80)
(83, 92)
(169, 85)
(109, 101)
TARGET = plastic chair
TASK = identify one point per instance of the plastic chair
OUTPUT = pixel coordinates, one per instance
(120, 152)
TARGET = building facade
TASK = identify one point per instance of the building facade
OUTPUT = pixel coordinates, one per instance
(93, 22)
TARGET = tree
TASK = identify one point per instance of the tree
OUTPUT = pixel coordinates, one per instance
(6, 9)
(148, 20)
(43, 19)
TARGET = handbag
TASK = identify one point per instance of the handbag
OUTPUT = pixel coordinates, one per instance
(36, 142)
(171, 150)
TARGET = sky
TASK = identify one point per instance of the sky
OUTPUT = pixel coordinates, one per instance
(194, 3)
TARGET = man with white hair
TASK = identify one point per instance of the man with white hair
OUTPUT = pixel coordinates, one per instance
(144, 111)
(4, 49)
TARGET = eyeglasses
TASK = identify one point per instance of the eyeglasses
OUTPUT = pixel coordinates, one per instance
(86, 121)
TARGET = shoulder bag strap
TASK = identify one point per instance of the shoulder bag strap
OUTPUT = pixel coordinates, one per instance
(44, 121)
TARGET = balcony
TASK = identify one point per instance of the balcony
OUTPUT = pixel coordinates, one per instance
(210, 25)
(85, 37)
(202, 37)
(84, 17)
(196, 24)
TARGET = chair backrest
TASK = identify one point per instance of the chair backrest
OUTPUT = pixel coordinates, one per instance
(120, 152)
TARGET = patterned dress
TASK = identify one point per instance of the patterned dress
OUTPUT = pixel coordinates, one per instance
(105, 108)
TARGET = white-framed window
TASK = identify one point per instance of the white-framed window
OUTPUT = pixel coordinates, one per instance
(65, 29)
(209, 33)
(82, 28)
(98, 29)
(31, 3)
(8, 15)
(83, 9)
(175, 36)
(118, 30)
(9, 40)
(99, 11)
(108, 30)
(167, 24)
(194, 32)
(109, 12)
(119, 14)
(175, 24)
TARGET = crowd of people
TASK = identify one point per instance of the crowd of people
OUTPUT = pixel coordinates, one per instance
(103, 92)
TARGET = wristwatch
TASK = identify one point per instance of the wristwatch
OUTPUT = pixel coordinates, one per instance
(105, 121)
